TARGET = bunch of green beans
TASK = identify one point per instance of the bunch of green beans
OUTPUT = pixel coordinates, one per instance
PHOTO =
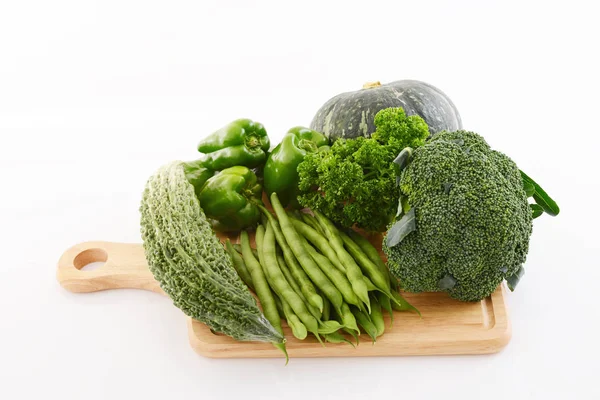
(318, 278)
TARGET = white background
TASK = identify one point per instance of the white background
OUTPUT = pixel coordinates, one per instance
(94, 96)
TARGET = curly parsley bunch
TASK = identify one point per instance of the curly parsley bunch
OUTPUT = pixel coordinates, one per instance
(354, 184)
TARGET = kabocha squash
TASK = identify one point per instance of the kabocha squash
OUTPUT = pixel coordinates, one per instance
(191, 264)
(350, 115)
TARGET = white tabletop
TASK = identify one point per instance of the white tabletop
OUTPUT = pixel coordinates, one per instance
(95, 95)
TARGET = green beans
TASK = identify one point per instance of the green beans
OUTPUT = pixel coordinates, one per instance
(400, 303)
(312, 222)
(278, 304)
(386, 304)
(328, 327)
(336, 276)
(353, 271)
(288, 276)
(238, 248)
(281, 286)
(337, 337)
(258, 238)
(348, 319)
(365, 323)
(320, 242)
(326, 309)
(298, 329)
(352, 333)
(320, 279)
(370, 286)
(294, 240)
(262, 290)
(239, 265)
(367, 247)
(368, 267)
(377, 316)
(306, 286)
(379, 278)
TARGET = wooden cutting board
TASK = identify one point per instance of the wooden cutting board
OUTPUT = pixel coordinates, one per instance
(447, 326)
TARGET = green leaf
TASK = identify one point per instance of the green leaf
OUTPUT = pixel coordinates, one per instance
(447, 282)
(402, 160)
(541, 197)
(529, 188)
(400, 229)
(513, 280)
(400, 209)
(447, 187)
(536, 210)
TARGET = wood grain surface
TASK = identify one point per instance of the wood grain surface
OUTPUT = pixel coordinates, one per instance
(447, 326)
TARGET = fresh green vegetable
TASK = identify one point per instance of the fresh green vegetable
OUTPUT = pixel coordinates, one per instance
(239, 265)
(337, 337)
(281, 175)
(288, 275)
(308, 289)
(367, 247)
(472, 219)
(292, 281)
(298, 329)
(190, 263)
(352, 333)
(379, 279)
(335, 275)
(238, 248)
(350, 115)
(377, 316)
(231, 199)
(281, 286)
(348, 319)
(354, 183)
(259, 237)
(320, 242)
(328, 327)
(326, 309)
(365, 322)
(400, 303)
(312, 222)
(262, 290)
(543, 201)
(353, 271)
(278, 304)
(386, 304)
(197, 174)
(294, 240)
(241, 142)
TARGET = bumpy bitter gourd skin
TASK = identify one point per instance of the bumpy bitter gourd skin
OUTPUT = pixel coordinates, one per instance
(473, 221)
(190, 263)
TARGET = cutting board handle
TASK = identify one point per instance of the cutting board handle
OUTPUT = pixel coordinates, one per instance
(124, 267)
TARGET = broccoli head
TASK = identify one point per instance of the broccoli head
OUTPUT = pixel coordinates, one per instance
(472, 220)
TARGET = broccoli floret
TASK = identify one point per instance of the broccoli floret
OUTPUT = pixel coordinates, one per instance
(354, 182)
(472, 217)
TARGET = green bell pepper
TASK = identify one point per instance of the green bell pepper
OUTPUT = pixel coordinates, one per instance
(197, 174)
(241, 142)
(280, 172)
(231, 199)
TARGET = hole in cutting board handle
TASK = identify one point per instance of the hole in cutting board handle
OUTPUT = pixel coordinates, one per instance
(90, 259)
